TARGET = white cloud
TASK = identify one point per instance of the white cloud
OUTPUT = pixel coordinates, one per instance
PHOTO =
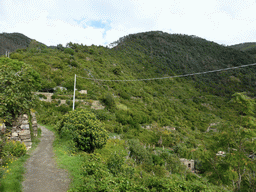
(57, 21)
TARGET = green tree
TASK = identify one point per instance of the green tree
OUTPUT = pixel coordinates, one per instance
(84, 129)
(236, 166)
(69, 51)
(17, 81)
(109, 101)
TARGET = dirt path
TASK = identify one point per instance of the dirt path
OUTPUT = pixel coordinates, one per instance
(42, 174)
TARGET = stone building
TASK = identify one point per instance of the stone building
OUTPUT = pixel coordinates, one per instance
(188, 163)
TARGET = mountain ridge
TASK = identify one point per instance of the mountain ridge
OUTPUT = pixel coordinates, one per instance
(12, 41)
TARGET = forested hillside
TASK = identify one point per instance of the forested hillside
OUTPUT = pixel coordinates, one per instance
(192, 117)
(13, 41)
(246, 47)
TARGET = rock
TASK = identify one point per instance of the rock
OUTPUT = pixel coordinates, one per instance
(24, 126)
(34, 122)
(24, 137)
(24, 132)
(28, 144)
(2, 126)
(25, 122)
(15, 134)
(25, 116)
(83, 92)
(15, 138)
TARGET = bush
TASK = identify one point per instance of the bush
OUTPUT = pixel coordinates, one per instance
(14, 148)
(109, 101)
(104, 115)
(69, 51)
(82, 126)
(42, 96)
(115, 164)
(124, 95)
(139, 153)
(73, 63)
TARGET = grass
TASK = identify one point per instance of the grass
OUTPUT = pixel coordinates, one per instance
(101, 178)
(12, 173)
(67, 158)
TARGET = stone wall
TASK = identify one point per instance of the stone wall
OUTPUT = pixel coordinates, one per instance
(21, 129)
(34, 123)
(47, 95)
(188, 163)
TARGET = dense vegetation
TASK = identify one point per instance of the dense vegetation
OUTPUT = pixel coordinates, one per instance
(246, 47)
(17, 81)
(12, 41)
(154, 123)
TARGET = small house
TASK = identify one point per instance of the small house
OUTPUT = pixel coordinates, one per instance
(188, 163)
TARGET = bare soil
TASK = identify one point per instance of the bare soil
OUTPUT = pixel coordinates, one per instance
(42, 174)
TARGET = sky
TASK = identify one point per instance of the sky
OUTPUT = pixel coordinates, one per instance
(101, 22)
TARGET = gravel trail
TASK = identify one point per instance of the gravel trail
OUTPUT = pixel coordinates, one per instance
(42, 174)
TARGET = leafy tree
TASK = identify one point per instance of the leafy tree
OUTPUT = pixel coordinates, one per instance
(69, 51)
(60, 47)
(17, 81)
(236, 166)
(109, 101)
(86, 131)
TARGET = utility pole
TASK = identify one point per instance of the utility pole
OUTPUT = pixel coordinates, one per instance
(74, 97)
(7, 53)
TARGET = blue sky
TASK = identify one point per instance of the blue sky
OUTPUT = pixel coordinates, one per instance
(101, 22)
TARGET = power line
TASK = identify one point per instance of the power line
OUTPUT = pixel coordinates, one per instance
(175, 76)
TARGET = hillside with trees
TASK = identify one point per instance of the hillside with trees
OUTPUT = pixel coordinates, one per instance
(12, 41)
(151, 123)
(246, 47)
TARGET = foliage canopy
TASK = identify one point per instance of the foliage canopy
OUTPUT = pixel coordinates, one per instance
(17, 81)
(84, 129)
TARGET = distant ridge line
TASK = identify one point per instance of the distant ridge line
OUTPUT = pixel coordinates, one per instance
(175, 76)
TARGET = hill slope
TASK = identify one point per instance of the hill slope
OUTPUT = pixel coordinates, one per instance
(13, 41)
(249, 48)
(188, 117)
(164, 54)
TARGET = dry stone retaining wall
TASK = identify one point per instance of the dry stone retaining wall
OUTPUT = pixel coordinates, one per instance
(21, 129)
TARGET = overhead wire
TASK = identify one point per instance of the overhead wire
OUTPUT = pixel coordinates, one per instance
(175, 76)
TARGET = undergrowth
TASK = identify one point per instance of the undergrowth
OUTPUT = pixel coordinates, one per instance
(11, 173)
(112, 168)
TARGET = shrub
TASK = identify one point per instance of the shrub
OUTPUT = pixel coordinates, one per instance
(104, 115)
(109, 101)
(115, 164)
(73, 63)
(69, 51)
(14, 148)
(117, 71)
(124, 95)
(138, 152)
(42, 96)
(82, 126)
(17, 56)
